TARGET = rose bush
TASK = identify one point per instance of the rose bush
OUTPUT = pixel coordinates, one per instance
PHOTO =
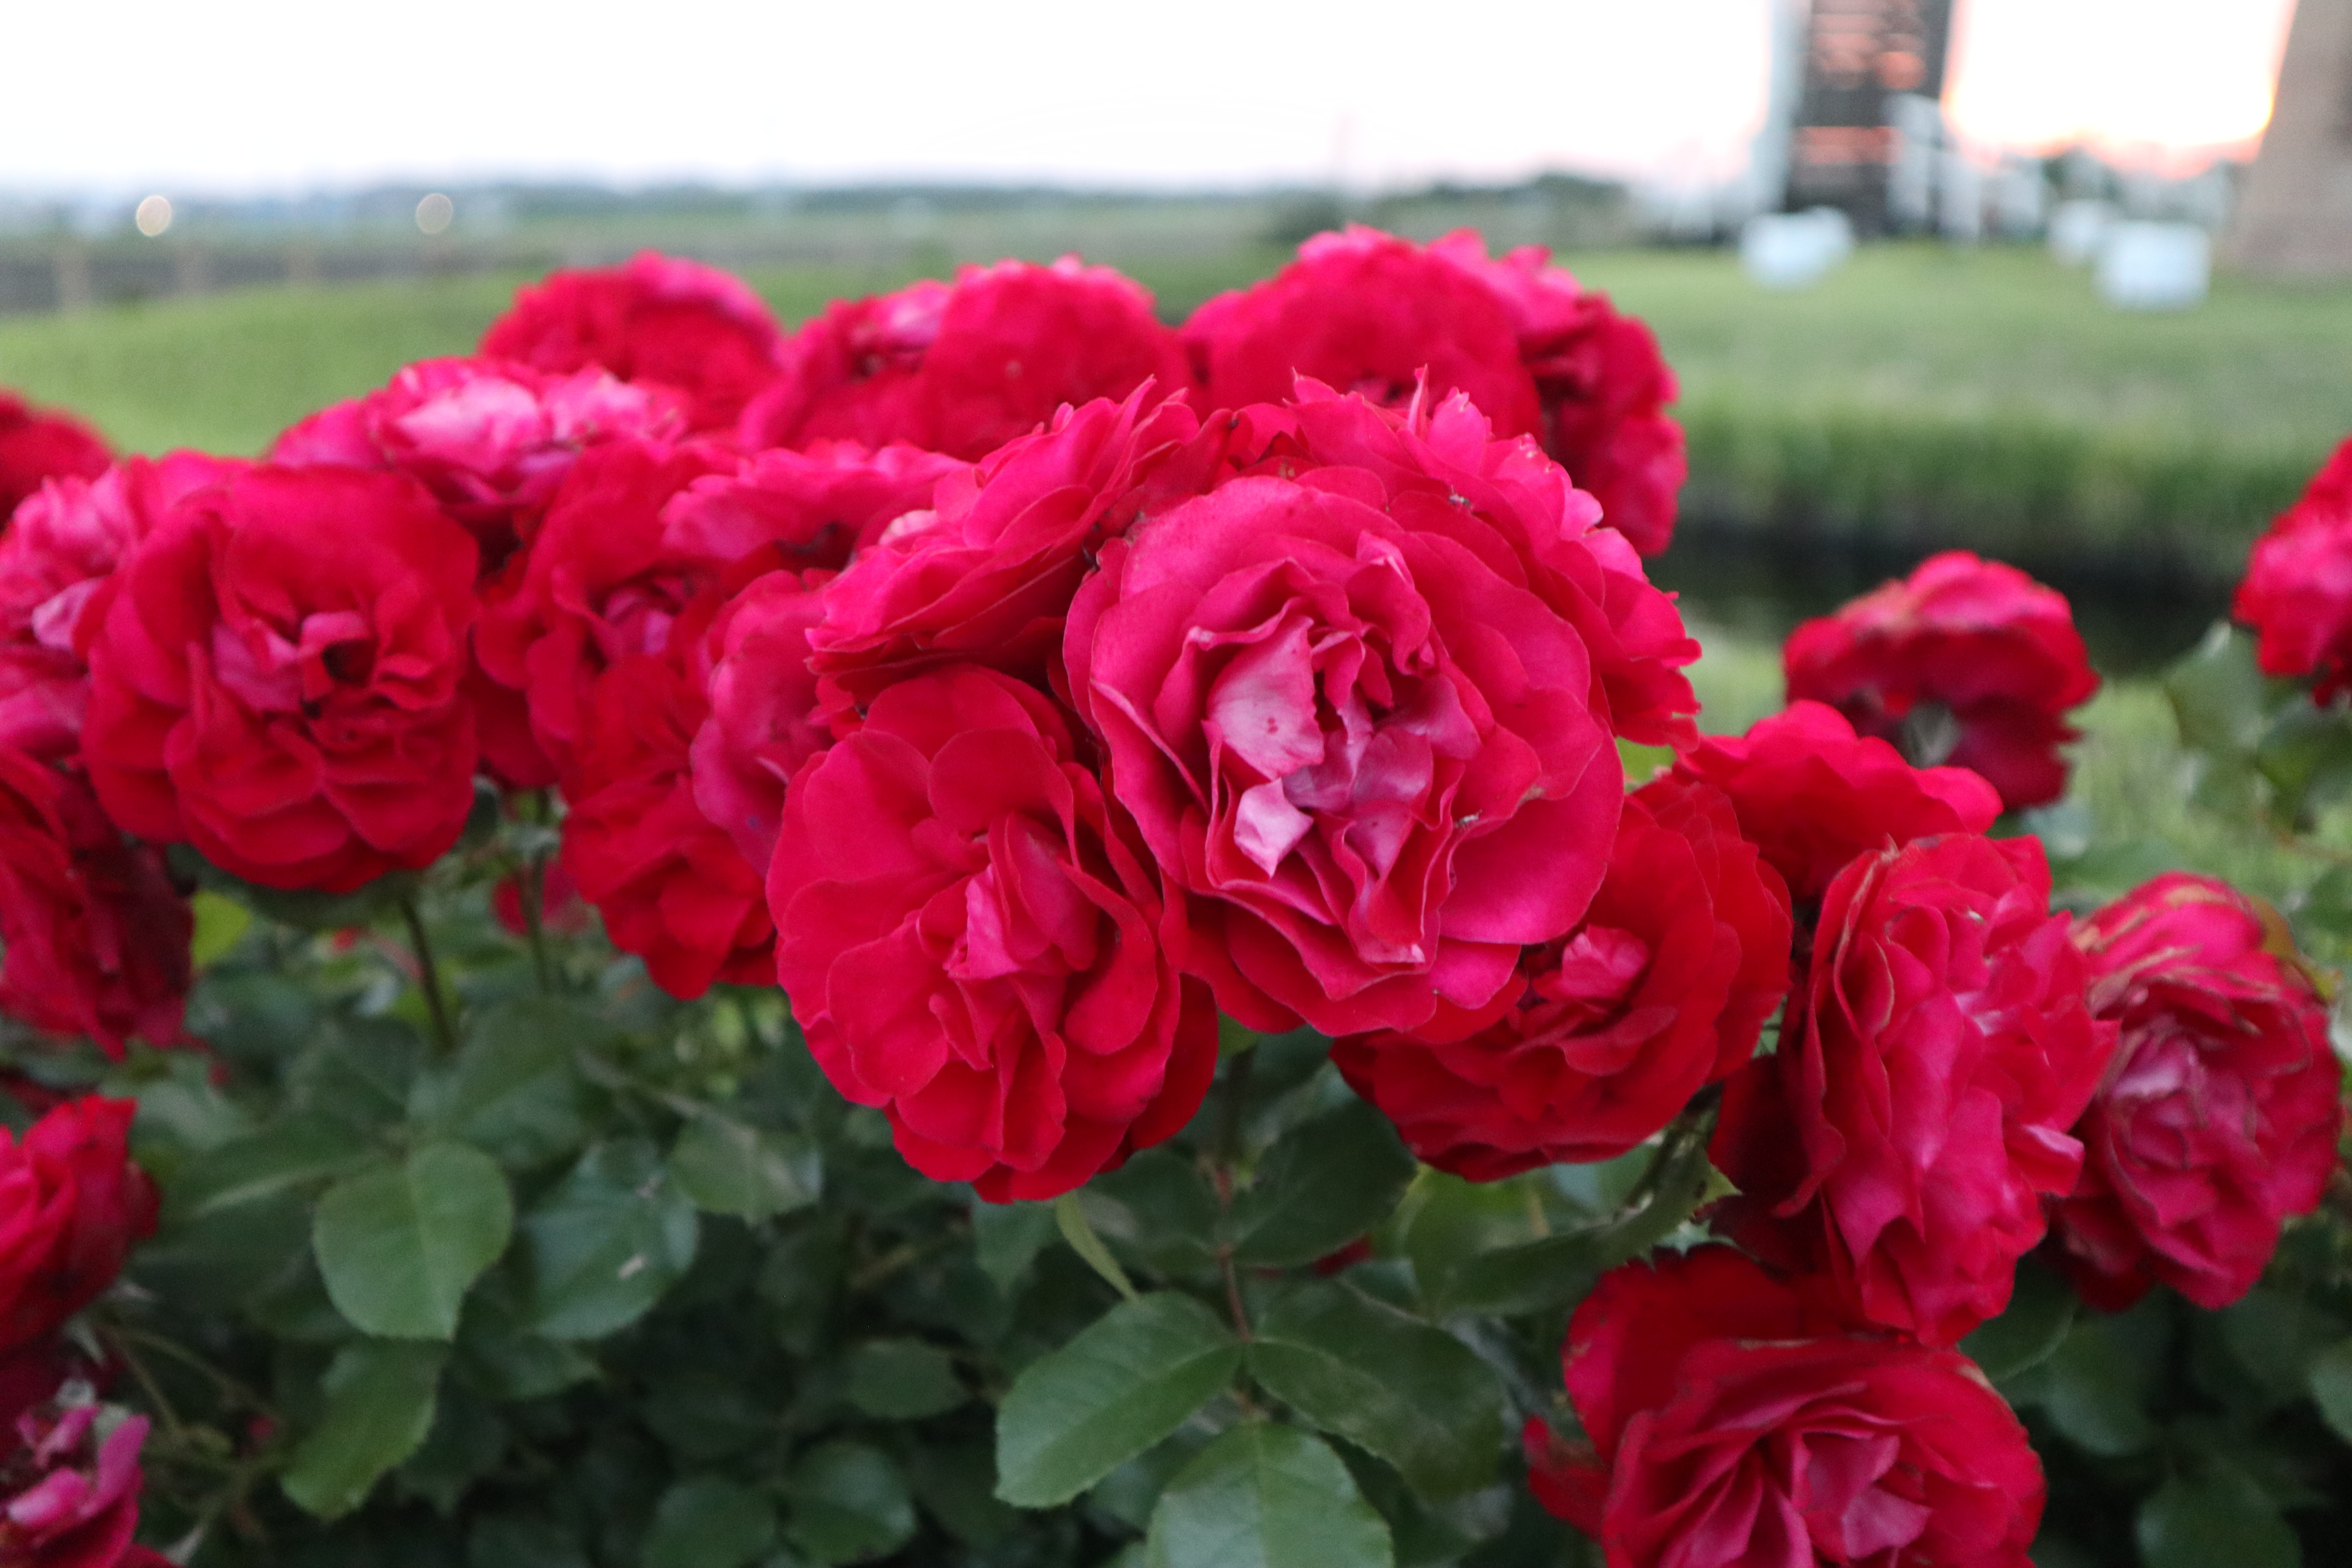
(998, 933)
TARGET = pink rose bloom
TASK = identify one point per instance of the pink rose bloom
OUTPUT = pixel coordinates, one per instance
(1369, 313)
(64, 541)
(988, 579)
(491, 441)
(698, 330)
(816, 507)
(2297, 590)
(2219, 1117)
(766, 716)
(37, 445)
(69, 1488)
(1901, 1140)
(1364, 749)
(964, 367)
(1966, 661)
(1813, 794)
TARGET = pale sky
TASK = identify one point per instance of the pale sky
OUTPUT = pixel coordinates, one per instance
(260, 95)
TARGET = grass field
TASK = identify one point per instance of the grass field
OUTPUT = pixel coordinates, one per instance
(1919, 397)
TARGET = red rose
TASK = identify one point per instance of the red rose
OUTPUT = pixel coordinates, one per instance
(274, 678)
(96, 937)
(817, 508)
(671, 886)
(691, 328)
(989, 579)
(963, 368)
(766, 716)
(64, 543)
(1732, 1420)
(1901, 1140)
(69, 1484)
(490, 440)
(1440, 464)
(1813, 794)
(1369, 313)
(2297, 590)
(971, 942)
(71, 1204)
(1365, 750)
(36, 445)
(2219, 1115)
(1606, 1034)
(1966, 661)
(562, 910)
(597, 585)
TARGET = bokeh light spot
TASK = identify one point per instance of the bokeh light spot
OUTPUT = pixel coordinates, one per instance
(434, 213)
(153, 216)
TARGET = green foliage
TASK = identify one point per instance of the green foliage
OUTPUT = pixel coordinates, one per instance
(1264, 1496)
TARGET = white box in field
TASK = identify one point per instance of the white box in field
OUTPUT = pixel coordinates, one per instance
(2155, 266)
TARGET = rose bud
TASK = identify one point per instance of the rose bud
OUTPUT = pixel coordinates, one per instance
(2297, 590)
(64, 541)
(1734, 1419)
(1902, 1138)
(1370, 755)
(71, 1204)
(971, 941)
(697, 330)
(1662, 989)
(96, 937)
(2219, 1116)
(37, 445)
(491, 441)
(1813, 794)
(1539, 354)
(1966, 661)
(964, 367)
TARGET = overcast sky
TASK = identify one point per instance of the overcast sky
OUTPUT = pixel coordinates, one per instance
(253, 95)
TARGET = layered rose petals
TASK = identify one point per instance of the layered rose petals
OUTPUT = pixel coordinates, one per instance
(1902, 1139)
(971, 942)
(2297, 590)
(40, 445)
(71, 1205)
(989, 579)
(1966, 661)
(62, 544)
(491, 441)
(1661, 990)
(964, 367)
(1366, 754)
(70, 1485)
(815, 507)
(701, 333)
(96, 936)
(2220, 1115)
(275, 674)
(1367, 312)
(1813, 794)
(766, 715)
(1733, 1420)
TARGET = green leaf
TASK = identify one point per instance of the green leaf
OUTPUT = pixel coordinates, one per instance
(2306, 755)
(466, 1443)
(1323, 1185)
(2331, 1387)
(2091, 1390)
(523, 1541)
(2217, 693)
(727, 1167)
(1264, 1496)
(2214, 1517)
(848, 1502)
(513, 1089)
(379, 1407)
(2326, 908)
(903, 1380)
(505, 1356)
(1070, 1215)
(287, 1155)
(707, 1522)
(1159, 1209)
(606, 1242)
(400, 1244)
(1007, 1238)
(1125, 1382)
(2030, 1329)
(220, 923)
(1387, 1382)
(956, 1484)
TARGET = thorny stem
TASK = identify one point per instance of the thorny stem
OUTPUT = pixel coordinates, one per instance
(148, 1385)
(230, 1388)
(1689, 1130)
(428, 976)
